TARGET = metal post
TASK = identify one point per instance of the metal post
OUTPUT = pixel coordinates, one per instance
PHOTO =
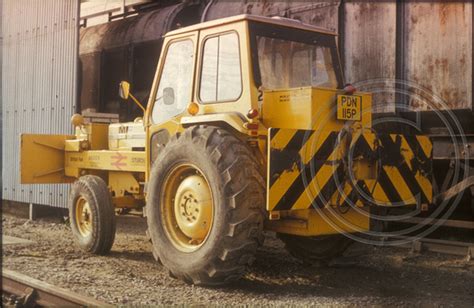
(32, 212)
(341, 39)
(400, 52)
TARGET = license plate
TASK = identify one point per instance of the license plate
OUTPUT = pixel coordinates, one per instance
(349, 107)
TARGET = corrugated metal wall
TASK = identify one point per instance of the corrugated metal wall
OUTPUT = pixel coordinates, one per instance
(1, 101)
(40, 47)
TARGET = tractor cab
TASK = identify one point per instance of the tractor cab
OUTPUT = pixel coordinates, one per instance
(225, 67)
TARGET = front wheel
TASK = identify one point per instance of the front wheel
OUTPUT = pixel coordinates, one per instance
(204, 207)
(92, 215)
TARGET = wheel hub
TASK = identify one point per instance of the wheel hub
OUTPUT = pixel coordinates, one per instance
(83, 217)
(193, 208)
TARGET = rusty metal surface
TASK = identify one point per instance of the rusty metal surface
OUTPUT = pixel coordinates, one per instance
(426, 43)
(319, 13)
(438, 41)
(38, 85)
(369, 50)
(380, 41)
(430, 42)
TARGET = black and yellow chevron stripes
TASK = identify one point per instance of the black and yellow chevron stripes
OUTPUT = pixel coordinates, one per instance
(405, 176)
(306, 169)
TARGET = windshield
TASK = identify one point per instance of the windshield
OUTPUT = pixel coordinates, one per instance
(291, 58)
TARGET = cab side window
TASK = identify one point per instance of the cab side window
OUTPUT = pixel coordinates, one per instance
(221, 76)
(174, 90)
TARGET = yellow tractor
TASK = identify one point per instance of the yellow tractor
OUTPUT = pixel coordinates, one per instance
(248, 127)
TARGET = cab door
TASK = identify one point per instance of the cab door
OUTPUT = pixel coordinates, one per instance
(172, 91)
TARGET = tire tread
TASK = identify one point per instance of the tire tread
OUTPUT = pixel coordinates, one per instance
(242, 183)
(104, 235)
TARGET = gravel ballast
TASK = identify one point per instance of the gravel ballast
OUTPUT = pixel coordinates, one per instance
(380, 276)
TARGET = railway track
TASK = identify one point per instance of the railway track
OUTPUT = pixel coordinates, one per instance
(453, 247)
(436, 245)
(19, 290)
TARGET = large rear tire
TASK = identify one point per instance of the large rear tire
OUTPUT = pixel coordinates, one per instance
(204, 206)
(315, 250)
(92, 215)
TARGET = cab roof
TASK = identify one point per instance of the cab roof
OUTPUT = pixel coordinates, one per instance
(280, 21)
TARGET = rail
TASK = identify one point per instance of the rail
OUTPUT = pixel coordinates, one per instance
(29, 292)
(461, 224)
(441, 246)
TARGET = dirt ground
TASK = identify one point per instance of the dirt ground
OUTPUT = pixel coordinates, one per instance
(129, 275)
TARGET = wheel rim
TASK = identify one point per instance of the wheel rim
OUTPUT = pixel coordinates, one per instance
(83, 217)
(187, 207)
